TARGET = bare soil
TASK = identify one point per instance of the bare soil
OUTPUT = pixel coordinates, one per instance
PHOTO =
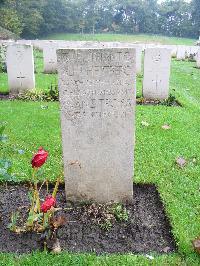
(147, 228)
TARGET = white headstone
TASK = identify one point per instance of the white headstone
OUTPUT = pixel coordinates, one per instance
(20, 68)
(50, 57)
(97, 89)
(138, 59)
(198, 58)
(39, 44)
(29, 42)
(172, 48)
(156, 73)
(194, 51)
(181, 52)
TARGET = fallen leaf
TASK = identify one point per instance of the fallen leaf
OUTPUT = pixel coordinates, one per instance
(53, 245)
(166, 127)
(181, 162)
(166, 249)
(149, 257)
(194, 160)
(58, 222)
(56, 247)
(144, 123)
(196, 244)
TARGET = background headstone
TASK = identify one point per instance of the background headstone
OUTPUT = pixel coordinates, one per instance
(138, 59)
(156, 73)
(20, 68)
(172, 48)
(181, 52)
(198, 58)
(97, 89)
(50, 57)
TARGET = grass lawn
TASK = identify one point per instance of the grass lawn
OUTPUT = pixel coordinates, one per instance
(108, 37)
(30, 125)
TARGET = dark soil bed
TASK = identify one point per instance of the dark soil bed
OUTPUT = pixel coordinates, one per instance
(4, 96)
(143, 101)
(147, 228)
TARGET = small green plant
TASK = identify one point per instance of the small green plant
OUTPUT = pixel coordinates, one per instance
(13, 224)
(6, 171)
(53, 92)
(191, 57)
(106, 215)
(50, 95)
(120, 212)
(2, 59)
(107, 225)
(170, 101)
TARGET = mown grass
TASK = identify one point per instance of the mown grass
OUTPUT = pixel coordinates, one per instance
(69, 259)
(30, 125)
(144, 38)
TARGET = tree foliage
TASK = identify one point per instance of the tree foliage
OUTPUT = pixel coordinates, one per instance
(33, 18)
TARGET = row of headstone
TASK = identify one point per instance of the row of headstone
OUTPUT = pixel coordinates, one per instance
(181, 52)
(21, 77)
(20, 68)
(40, 44)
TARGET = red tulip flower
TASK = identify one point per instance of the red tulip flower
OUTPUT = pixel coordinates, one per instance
(48, 203)
(39, 158)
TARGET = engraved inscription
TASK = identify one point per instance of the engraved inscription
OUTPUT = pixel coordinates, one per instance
(97, 86)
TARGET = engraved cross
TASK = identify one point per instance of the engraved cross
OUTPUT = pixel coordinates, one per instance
(51, 62)
(21, 78)
(156, 82)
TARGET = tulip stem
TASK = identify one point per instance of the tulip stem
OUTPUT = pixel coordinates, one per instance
(34, 177)
(56, 187)
(36, 207)
(47, 184)
(41, 186)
